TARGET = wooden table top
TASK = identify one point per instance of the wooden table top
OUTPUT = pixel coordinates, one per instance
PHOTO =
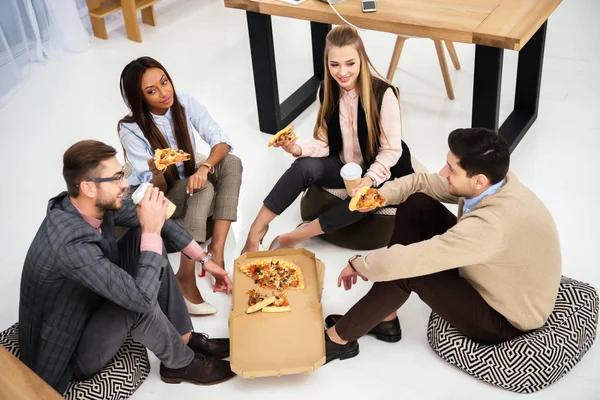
(507, 24)
(17, 382)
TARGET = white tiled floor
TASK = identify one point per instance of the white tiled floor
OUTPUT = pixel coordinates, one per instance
(205, 48)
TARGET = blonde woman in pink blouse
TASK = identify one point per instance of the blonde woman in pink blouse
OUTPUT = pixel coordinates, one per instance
(358, 121)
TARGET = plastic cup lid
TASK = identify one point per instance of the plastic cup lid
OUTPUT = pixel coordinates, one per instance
(351, 171)
(138, 195)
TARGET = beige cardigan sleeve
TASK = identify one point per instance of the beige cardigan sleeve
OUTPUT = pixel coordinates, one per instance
(433, 185)
(475, 239)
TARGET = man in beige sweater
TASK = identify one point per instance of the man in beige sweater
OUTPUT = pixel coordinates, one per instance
(493, 274)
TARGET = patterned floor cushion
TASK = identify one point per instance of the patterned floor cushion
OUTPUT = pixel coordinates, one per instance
(534, 360)
(117, 380)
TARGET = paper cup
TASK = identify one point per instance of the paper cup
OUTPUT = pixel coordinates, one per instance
(351, 173)
(138, 195)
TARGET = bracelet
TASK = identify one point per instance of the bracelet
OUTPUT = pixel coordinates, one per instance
(352, 259)
(206, 259)
(211, 168)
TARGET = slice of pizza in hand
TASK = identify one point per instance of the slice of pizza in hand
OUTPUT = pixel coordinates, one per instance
(165, 157)
(284, 136)
(367, 198)
(257, 301)
(279, 305)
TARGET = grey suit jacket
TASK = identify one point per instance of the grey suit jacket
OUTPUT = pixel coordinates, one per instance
(69, 270)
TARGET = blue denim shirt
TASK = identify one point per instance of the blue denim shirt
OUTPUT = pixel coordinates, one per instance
(138, 148)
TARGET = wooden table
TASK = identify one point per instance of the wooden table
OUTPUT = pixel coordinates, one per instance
(17, 382)
(492, 25)
(98, 9)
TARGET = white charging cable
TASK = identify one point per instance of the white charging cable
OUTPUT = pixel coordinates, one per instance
(344, 19)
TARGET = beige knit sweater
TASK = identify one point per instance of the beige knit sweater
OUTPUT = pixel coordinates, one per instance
(507, 248)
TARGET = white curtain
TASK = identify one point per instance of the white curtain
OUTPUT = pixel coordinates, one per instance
(36, 30)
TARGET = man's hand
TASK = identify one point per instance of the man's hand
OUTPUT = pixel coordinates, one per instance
(152, 210)
(349, 276)
(152, 167)
(365, 181)
(197, 181)
(223, 283)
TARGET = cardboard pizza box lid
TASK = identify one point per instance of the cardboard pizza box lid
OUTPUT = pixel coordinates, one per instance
(274, 344)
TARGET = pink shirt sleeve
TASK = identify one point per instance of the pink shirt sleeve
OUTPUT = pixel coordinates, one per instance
(313, 147)
(151, 242)
(193, 250)
(390, 149)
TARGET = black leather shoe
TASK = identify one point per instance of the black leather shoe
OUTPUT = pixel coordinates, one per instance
(200, 343)
(201, 371)
(388, 331)
(334, 351)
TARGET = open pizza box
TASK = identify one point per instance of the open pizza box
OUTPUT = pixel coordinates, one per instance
(274, 344)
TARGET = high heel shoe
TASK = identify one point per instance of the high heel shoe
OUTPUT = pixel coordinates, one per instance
(276, 245)
(204, 308)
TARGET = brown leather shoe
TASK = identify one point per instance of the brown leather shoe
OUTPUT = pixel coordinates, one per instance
(201, 371)
(200, 343)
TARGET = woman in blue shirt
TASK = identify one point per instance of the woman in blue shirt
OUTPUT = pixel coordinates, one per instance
(159, 119)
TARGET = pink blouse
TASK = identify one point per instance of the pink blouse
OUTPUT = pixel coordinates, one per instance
(389, 150)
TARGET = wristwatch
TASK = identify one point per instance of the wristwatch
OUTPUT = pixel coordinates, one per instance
(352, 259)
(206, 259)
(211, 168)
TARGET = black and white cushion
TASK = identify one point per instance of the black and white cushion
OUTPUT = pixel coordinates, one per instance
(535, 360)
(117, 380)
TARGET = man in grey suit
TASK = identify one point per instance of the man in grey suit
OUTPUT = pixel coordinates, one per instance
(82, 292)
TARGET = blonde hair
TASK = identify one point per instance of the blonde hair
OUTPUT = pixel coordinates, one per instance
(348, 36)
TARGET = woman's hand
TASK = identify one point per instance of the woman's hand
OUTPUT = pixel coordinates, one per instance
(291, 147)
(155, 171)
(197, 181)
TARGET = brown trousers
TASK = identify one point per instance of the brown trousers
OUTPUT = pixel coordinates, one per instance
(420, 218)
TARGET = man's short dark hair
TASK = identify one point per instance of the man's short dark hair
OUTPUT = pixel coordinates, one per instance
(81, 159)
(481, 151)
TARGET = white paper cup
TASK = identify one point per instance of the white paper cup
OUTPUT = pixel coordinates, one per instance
(351, 173)
(138, 195)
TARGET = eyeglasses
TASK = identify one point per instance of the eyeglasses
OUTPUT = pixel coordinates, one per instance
(118, 177)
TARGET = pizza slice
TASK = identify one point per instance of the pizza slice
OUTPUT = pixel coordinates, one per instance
(284, 136)
(165, 157)
(367, 198)
(279, 305)
(274, 274)
(257, 301)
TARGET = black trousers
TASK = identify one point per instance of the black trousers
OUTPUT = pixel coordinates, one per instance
(324, 172)
(420, 218)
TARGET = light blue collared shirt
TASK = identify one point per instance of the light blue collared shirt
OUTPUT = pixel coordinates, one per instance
(471, 203)
(139, 150)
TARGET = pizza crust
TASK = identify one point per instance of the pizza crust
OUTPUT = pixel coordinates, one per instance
(284, 131)
(275, 309)
(299, 273)
(260, 305)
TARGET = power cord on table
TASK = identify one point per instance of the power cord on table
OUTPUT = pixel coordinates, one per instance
(342, 18)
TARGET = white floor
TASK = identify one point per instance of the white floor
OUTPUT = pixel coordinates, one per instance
(205, 48)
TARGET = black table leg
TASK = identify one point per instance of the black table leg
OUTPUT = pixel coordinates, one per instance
(487, 84)
(273, 115)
